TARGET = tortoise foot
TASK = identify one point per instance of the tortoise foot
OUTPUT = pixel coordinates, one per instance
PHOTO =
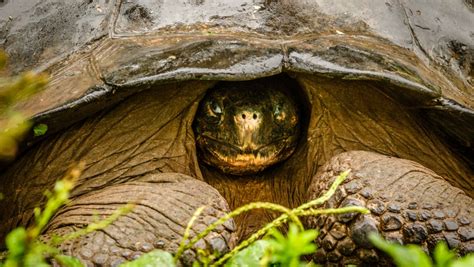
(408, 202)
(164, 205)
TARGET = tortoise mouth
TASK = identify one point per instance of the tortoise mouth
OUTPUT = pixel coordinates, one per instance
(235, 160)
(244, 128)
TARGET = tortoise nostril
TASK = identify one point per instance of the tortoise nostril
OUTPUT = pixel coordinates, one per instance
(254, 116)
(243, 116)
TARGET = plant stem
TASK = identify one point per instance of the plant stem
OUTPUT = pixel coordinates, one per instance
(312, 212)
(59, 197)
(97, 225)
(251, 206)
(303, 209)
(326, 195)
(261, 232)
(187, 231)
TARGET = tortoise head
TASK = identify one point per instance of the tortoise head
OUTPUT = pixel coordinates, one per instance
(245, 127)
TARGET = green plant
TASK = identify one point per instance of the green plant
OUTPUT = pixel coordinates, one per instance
(287, 251)
(254, 255)
(275, 249)
(413, 255)
(14, 89)
(24, 247)
(278, 250)
(306, 209)
(251, 252)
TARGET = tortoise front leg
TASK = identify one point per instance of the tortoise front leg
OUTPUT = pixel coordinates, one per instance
(164, 205)
(408, 202)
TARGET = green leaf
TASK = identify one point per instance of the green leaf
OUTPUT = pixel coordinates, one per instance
(287, 251)
(40, 129)
(250, 256)
(156, 258)
(442, 255)
(68, 261)
(16, 242)
(466, 261)
(403, 256)
(35, 258)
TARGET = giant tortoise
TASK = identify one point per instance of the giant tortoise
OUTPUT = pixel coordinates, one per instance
(177, 104)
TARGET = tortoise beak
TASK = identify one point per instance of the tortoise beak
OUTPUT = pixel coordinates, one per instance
(248, 124)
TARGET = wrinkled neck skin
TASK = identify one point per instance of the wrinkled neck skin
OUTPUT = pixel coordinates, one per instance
(284, 183)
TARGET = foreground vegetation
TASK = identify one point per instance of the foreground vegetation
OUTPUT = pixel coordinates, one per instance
(13, 125)
(275, 249)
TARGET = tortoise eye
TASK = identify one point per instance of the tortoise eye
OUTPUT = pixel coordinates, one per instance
(215, 109)
(277, 110)
(278, 113)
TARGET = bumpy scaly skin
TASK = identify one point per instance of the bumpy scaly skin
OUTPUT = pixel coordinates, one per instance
(408, 204)
(165, 204)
